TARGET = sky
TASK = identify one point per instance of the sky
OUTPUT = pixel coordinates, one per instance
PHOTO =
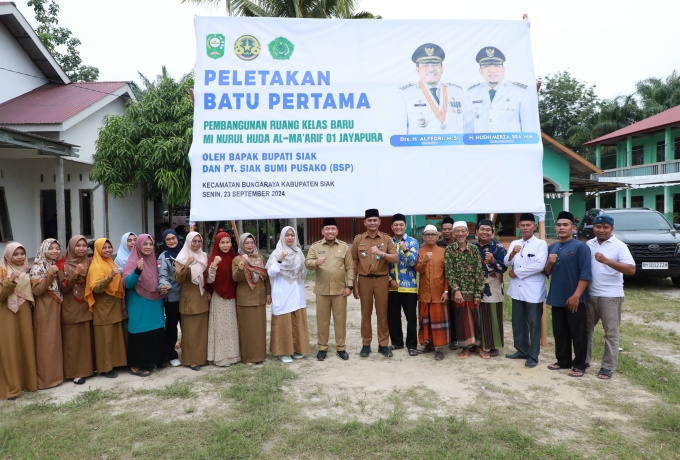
(606, 43)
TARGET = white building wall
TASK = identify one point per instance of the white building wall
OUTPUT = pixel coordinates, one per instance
(13, 56)
(21, 180)
(84, 133)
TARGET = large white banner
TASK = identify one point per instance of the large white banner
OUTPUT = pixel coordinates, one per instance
(325, 118)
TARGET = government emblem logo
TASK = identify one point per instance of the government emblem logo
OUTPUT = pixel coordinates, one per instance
(247, 47)
(214, 44)
(281, 48)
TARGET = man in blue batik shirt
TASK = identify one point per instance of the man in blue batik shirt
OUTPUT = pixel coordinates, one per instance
(403, 290)
(569, 265)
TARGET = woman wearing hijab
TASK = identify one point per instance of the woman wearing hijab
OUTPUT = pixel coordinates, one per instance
(223, 346)
(104, 295)
(146, 325)
(286, 269)
(194, 301)
(166, 277)
(76, 317)
(17, 352)
(45, 279)
(253, 294)
(127, 242)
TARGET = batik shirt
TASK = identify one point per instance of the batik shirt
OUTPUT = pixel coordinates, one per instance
(493, 272)
(464, 271)
(403, 272)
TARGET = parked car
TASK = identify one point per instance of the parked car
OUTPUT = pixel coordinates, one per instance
(653, 241)
(180, 217)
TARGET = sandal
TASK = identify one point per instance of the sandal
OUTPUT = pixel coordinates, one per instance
(140, 373)
(464, 354)
(396, 348)
(413, 352)
(577, 372)
(481, 353)
(604, 374)
(453, 346)
(556, 367)
(493, 352)
(79, 381)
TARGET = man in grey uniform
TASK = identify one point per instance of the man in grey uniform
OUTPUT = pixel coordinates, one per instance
(432, 107)
(497, 105)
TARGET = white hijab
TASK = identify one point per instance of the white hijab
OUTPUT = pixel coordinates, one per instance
(293, 266)
(200, 261)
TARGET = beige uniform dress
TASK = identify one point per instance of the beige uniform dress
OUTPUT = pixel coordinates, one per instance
(76, 335)
(109, 340)
(49, 358)
(194, 317)
(251, 308)
(17, 351)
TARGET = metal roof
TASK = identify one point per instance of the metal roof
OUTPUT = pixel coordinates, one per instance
(577, 164)
(670, 117)
(13, 138)
(55, 103)
(24, 34)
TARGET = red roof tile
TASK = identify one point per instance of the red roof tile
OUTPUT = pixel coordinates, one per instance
(54, 103)
(654, 123)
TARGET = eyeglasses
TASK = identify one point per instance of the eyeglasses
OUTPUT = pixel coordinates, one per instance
(429, 235)
(171, 238)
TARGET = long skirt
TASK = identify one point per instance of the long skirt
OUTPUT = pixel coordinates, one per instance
(468, 330)
(49, 358)
(223, 346)
(194, 339)
(17, 352)
(491, 315)
(252, 333)
(289, 333)
(109, 346)
(147, 349)
(434, 324)
(77, 345)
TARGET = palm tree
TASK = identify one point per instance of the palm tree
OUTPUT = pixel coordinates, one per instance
(341, 9)
(657, 95)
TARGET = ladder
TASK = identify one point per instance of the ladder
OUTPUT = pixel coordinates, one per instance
(549, 222)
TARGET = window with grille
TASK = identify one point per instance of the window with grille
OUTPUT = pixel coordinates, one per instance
(638, 155)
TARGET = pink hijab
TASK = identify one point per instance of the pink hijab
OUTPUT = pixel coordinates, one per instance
(147, 286)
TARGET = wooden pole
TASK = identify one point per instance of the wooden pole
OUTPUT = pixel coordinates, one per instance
(235, 229)
(544, 317)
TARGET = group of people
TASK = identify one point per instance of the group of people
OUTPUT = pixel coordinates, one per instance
(74, 316)
(451, 290)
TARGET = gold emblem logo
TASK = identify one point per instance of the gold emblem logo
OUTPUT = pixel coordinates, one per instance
(429, 51)
(490, 52)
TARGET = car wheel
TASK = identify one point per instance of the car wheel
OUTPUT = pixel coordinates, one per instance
(676, 281)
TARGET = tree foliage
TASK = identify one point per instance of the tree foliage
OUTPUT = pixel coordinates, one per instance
(342, 9)
(563, 102)
(57, 38)
(657, 95)
(148, 146)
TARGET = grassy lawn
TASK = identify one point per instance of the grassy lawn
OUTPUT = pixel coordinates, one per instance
(254, 413)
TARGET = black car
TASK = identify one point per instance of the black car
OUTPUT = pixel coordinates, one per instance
(653, 241)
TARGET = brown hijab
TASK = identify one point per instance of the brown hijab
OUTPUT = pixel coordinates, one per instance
(70, 262)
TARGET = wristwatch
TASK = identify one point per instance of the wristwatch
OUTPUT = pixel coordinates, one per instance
(351, 288)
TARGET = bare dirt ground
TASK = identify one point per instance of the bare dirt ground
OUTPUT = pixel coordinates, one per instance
(376, 387)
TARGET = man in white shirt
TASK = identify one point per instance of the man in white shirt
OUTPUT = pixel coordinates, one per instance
(526, 260)
(611, 259)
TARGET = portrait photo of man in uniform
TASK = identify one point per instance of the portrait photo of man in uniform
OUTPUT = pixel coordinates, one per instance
(432, 106)
(497, 105)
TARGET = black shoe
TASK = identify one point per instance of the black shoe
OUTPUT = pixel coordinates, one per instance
(516, 355)
(321, 355)
(342, 354)
(385, 351)
(365, 351)
(438, 355)
(110, 374)
(195, 368)
(530, 363)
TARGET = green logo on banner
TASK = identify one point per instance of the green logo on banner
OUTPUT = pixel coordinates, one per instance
(281, 48)
(214, 44)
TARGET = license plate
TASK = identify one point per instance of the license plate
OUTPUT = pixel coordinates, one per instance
(654, 265)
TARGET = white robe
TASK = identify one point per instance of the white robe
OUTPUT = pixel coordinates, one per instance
(286, 297)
